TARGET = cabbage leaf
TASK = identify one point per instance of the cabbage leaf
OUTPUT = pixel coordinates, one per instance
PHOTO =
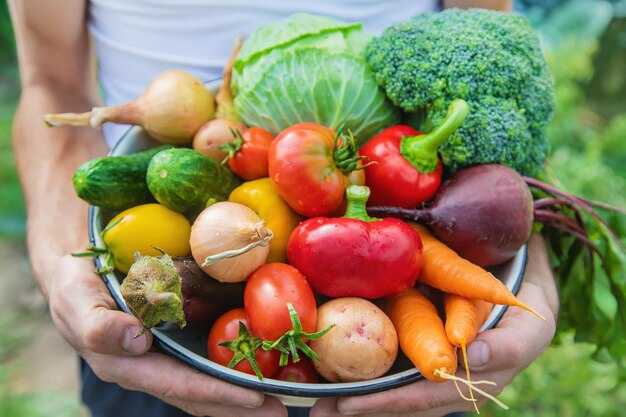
(308, 68)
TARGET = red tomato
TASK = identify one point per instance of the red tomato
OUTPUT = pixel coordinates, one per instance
(265, 298)
(249, 153)
(309, 172)
(226, 328)
(301, 371)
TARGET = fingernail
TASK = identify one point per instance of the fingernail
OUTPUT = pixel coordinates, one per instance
(349, 412)
(250, 405)
(132, 343)
(478, 353)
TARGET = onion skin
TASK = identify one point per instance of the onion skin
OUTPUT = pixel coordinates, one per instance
(227, 226)
(172, 109)
(175, 106)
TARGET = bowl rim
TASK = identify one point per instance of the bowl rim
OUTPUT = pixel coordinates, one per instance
(269, 385)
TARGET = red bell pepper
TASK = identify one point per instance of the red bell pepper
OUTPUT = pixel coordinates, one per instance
(407, 170)
(356, 255)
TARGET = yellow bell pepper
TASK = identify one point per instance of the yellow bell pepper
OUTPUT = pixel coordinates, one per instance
(261, 196)
(144, 228)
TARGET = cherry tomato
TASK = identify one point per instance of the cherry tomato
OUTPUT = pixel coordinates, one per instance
(311, 168)
(301, 371)
(227, 328)
(268, 291)
(248, 153)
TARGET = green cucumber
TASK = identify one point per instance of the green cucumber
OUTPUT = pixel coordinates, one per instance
(185, 180)
(115, 182)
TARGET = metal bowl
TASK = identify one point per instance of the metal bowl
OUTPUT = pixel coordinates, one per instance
(190, 346)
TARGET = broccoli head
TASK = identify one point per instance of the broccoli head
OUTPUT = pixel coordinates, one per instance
(492, 60)
(495, 131)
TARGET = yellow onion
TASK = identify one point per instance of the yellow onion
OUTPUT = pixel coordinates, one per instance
(229, 241)
(219, 131)
(171, 109)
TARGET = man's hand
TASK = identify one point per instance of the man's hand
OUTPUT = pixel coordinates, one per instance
(496, 355)
(88, 318)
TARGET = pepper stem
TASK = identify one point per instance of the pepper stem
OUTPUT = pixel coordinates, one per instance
(421, 150)
(357, 196)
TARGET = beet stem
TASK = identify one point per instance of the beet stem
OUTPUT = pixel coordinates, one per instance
(415, 215)
(554, 191)
(583, 238)
(547, 214)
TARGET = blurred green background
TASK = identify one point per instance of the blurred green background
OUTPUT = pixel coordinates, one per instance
(585, 43)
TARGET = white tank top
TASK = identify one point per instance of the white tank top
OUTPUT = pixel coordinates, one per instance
(136, 40)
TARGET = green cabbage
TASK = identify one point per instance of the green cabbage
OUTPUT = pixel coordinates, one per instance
(309, 68)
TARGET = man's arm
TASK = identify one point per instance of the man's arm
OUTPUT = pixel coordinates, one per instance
(57, 75)
(56, 72)
(503, 5)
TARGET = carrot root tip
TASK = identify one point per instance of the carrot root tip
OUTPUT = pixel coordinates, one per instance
(472, 384)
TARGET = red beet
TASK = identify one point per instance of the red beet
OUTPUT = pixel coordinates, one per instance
(484, 213)
(204, 298)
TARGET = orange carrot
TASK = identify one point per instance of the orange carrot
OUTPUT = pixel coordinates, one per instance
(445, 270)
(423, 339)
(464, 317)
(421, 334)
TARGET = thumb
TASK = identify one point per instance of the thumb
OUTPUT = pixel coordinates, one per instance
(518, 340)
(521, 337)
(114, 332)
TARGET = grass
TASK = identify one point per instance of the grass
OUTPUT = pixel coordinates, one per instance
(15, 402)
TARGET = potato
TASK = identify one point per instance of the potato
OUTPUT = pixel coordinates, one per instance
(362, 345)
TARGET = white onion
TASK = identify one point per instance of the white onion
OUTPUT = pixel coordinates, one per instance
(229, 241)
(171, 109)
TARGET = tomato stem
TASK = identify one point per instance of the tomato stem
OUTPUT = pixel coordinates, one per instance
(244, 347)
(293, 340)
(231, 148)
(346, 155)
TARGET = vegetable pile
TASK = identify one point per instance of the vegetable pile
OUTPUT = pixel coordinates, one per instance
(257, 228)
